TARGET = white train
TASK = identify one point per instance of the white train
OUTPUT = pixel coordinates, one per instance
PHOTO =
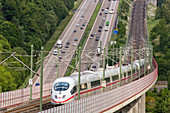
(64, 89)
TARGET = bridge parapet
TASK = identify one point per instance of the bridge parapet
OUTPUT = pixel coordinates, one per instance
(112, 100)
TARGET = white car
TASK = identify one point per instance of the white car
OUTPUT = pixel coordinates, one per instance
(77, 25)
(74, 44)
(55, 52)
(103, 18)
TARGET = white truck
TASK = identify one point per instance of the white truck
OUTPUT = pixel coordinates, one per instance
(98, 51)
(60, 43)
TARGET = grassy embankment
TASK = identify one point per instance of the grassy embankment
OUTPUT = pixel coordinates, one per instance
(85, 36)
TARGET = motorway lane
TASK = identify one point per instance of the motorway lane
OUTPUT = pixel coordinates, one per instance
(91, 42)
(50, 68)
(104, 35)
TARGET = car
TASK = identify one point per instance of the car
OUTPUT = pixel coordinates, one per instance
(94, 0)
(100, 26)
(85, 21)
(66, 46)
(92, 35)
(68, 43)
(97, 36)
(93, 66)
(106, 12)
(83, 24)
(100, 13)
(81, 18)
(77, 25)
(95, 33)
(60, 57)
(75, 31)
(76, 39)
(104, 18)
(99, 30)
(107, 8)
(97, 39)
(102, 9)
(81, 27)
(74, 44)
(62, 51)
(55, 52)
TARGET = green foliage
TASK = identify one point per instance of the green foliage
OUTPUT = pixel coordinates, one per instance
(164, 11)
(163, 104)
(23, 23)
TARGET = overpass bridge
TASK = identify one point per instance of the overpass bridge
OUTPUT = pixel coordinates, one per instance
(127, 98)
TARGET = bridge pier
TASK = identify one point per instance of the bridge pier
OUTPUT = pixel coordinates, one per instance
(137, 106)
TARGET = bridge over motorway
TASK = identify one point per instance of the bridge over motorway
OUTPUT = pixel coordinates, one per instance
(128, 97)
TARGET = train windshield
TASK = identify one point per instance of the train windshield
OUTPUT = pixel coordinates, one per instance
(61, 86)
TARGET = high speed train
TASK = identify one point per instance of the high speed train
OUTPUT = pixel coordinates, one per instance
(64, 89)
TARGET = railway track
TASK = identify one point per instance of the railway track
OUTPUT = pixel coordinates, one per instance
(32, 107)
(138, 30)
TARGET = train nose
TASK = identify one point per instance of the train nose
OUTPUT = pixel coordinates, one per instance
(60, 96)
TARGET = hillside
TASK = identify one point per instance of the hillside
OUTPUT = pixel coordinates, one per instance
(23, 23)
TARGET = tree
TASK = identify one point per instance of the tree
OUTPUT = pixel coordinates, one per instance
(162, 105)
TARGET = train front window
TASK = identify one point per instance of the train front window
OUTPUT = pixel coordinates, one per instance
(61, 86)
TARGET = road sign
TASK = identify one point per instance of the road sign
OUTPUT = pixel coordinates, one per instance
(115, 32)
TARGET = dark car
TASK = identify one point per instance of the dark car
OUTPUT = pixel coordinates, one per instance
(100, 13)
(83, 24)
(68, 43)
(92, 35)
(62, 51)
(97, 39)
(100, 26)
(81, 27)
(102, 9)
(94, 66)
(99, 30)
(75, 30)
(76, 39)
(67, 46)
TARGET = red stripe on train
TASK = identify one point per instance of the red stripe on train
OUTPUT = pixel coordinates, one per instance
(62, 101)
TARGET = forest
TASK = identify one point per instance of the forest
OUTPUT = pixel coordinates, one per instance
(160, 38)
(23, 23)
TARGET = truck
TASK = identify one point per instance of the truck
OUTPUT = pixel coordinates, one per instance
(107, 23)
(60, 43)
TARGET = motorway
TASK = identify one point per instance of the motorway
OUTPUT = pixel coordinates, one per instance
(85, 10)
(104, 36)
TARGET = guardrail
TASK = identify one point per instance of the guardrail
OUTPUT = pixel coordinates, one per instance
(109, 100)
(12, 98)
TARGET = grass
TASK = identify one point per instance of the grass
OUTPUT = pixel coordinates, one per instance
(85, 36)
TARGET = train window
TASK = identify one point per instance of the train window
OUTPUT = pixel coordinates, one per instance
(61, 86)
(107, 79)
(74, 90)
(114, 77)
(95, 83)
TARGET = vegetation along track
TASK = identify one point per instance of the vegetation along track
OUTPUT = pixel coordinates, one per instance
(138, 30)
